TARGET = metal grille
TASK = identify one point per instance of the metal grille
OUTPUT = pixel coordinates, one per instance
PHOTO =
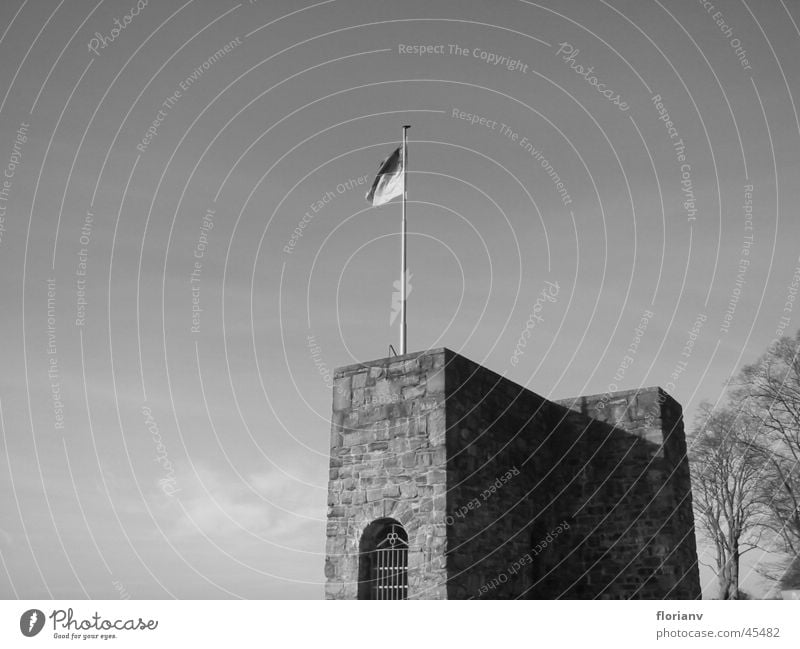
(389, 565)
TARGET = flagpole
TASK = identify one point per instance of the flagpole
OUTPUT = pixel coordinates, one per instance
(403, 278)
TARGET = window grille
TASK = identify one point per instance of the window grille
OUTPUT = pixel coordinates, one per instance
(387, 563)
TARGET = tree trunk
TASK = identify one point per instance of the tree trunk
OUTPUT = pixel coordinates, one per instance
(728, 577)
(723, 580)
(734, 572)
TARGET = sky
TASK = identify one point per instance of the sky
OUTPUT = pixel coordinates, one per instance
(186, 252)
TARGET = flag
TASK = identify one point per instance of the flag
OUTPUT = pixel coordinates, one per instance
(389, 181)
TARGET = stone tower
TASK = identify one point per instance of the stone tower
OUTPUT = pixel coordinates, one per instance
(450, 481)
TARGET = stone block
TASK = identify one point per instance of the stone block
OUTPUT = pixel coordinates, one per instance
(403, 367)
(409, 459)
(372, 414)
(437, 476)
(435, 425)
(400, 427)
(401, 409)
(408, 489)
(413, 392)
(618, 412)
(350, 421)
(355, 438)
(425, 489)
(381, 430)
(385, 391)
(648, 403)
(408, 380)
(341, 393)
(435, 381)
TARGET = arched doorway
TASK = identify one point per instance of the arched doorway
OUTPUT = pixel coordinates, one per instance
(383, 561)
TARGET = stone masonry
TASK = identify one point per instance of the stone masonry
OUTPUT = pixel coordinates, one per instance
(504, 494)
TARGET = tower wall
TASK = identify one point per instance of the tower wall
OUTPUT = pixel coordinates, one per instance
(660, 539)
(388, 460)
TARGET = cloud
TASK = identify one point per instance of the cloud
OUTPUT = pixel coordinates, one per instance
(266, 505)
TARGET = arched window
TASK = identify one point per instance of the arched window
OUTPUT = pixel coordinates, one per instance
(383, 561)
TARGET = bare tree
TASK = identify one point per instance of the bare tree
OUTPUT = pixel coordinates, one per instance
(726, 469)
(770, 388)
